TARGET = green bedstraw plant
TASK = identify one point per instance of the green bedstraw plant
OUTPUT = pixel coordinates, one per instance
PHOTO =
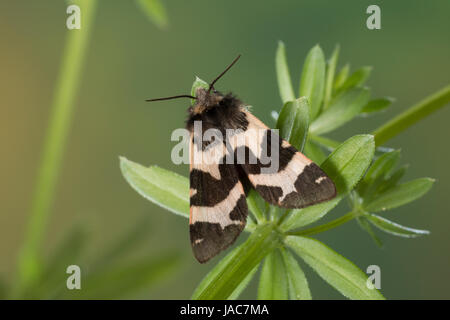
(363, 170)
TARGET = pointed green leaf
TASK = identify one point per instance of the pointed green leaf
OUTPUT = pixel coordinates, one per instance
(339, 272)
(330, 71)
(293, 122)
(400, 195)
(364, 224)
(383, 166)
(394, 228)
(273, 282)
(312, 82)
(377, 105)
(314, 152)
(341, 77)
(379, 151)
(162, 187)
(198, 83)
(356, 79)
(256, 205)
(348, 162)
(283, 76)
(155, 11)
(298, 284)
(274, 212)
(343, 109)
(265, 278)
(393, 179)
(224, 281)
(377, 172)
(301, 217)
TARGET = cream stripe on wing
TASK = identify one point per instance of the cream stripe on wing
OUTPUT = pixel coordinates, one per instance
(220, 213)
(285, 179)
(209, 159)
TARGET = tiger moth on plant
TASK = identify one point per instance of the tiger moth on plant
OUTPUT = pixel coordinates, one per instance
(239, 154)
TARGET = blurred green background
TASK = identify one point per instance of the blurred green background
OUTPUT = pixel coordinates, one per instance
(129, 60)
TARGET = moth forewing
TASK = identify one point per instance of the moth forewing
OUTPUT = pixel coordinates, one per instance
(218, 209)
(297, 183)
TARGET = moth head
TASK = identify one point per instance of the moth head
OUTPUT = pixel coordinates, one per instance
(205, 98)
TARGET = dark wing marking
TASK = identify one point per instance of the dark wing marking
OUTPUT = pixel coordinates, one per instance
(297, 182)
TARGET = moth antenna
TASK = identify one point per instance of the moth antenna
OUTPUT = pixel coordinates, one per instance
(220, 75)
(173, 97)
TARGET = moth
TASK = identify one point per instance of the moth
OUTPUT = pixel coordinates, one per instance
(218, 188)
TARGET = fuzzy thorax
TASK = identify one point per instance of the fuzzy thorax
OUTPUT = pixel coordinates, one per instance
(205, 100)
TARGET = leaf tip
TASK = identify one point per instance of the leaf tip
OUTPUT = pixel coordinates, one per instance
(122, 161)
(391, 99)
(368, 137)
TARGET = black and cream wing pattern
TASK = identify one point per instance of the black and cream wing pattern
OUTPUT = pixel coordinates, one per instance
(295, 182)
(218, 207)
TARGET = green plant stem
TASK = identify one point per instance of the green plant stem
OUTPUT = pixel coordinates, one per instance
(409, 117)
(261, 242)
(55, 139)
(331, 144)
(324, 227)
